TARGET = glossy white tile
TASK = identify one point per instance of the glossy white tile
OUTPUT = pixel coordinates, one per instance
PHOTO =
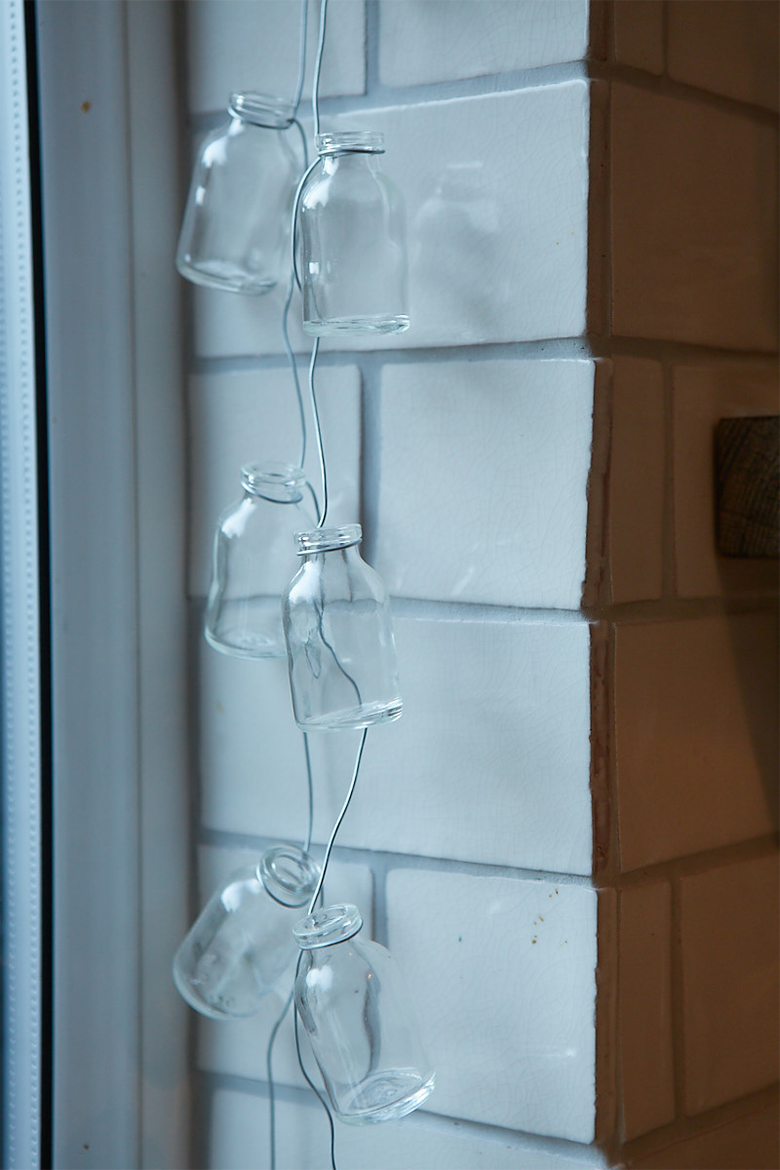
(241, 45)
(252, 416)
(503, 977)
(238, 1128)
(729, 928)
(703, 394)
(496, 191)
(695, 734)
(489, 762)
(694, 222)
(422, 41)
(636, 480)
(503, 451)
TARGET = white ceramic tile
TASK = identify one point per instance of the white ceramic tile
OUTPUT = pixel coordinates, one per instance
(423, 41)
(503, 977)
(727, 46)
(253, 416)
(694, 223)
(239, 1140)
(239, 1047)
(646, 1059)
(243, 45)
(750, 1140)
(702, 395)
(490, 761)
(502, 450)
(636, 480)
(695, 734)
(496, 191)
(729, 925)
(639, 34)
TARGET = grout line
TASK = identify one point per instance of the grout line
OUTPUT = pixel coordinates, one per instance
(677, 1005)
(577, 348)
(665, 86)
(549, 349)
(519, 1140)
(669, 532)
(702, 862)
(386, 861)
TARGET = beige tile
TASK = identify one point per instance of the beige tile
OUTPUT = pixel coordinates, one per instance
(751, 1140)
(647, 1071)
(702, 395)
(727, 46)
(636, 480)
(694, 228)
(729, 924)
(696, 736)
(639, 34)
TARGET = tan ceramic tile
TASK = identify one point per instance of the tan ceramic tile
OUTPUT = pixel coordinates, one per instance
(730, 981)
(702, 395)
(639, 34)
(694, 222)
(727, 46)
(647, 1072)
(751, 1140)
(695, 735)
(636, 480)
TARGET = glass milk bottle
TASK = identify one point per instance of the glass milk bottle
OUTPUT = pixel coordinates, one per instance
(355, 1008)
(235, 232)
(254, 557)
(353, 240)
(340, 646)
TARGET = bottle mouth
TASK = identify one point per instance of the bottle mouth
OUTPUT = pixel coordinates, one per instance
(323, 928)
(351, 142)
(261, 109)
(289, 875)
(326, 539)
(280, 482)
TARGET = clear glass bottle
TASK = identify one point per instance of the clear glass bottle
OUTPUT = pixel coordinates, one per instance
(353, 241)
(253, 560)
(355, 1008)
(242, 942)
(339, 633)
(235, 232)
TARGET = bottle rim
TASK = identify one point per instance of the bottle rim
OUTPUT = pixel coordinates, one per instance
(274, 481)
(261, 109)
(350, 142)
(327, 926)
(319, 540)
(289, 875)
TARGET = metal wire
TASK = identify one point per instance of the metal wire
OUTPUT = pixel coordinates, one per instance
(269, 1074)
(339, 819)
(323, 512)
(315, 93)
(285, 315)
(310, 1082)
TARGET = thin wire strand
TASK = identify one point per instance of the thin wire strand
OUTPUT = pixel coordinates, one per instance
(323, 512)
(285, 316)
(340, 818)
(307, 842)
(308, 1079)
(315, 91)
(301, 54)
(269, 1073)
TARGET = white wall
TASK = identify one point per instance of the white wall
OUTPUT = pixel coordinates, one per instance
(464, 448)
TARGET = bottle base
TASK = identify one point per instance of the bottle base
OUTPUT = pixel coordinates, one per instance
(226, 277)
(369, 325)
(387, 1096)
(354, 718)
(245, 644)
